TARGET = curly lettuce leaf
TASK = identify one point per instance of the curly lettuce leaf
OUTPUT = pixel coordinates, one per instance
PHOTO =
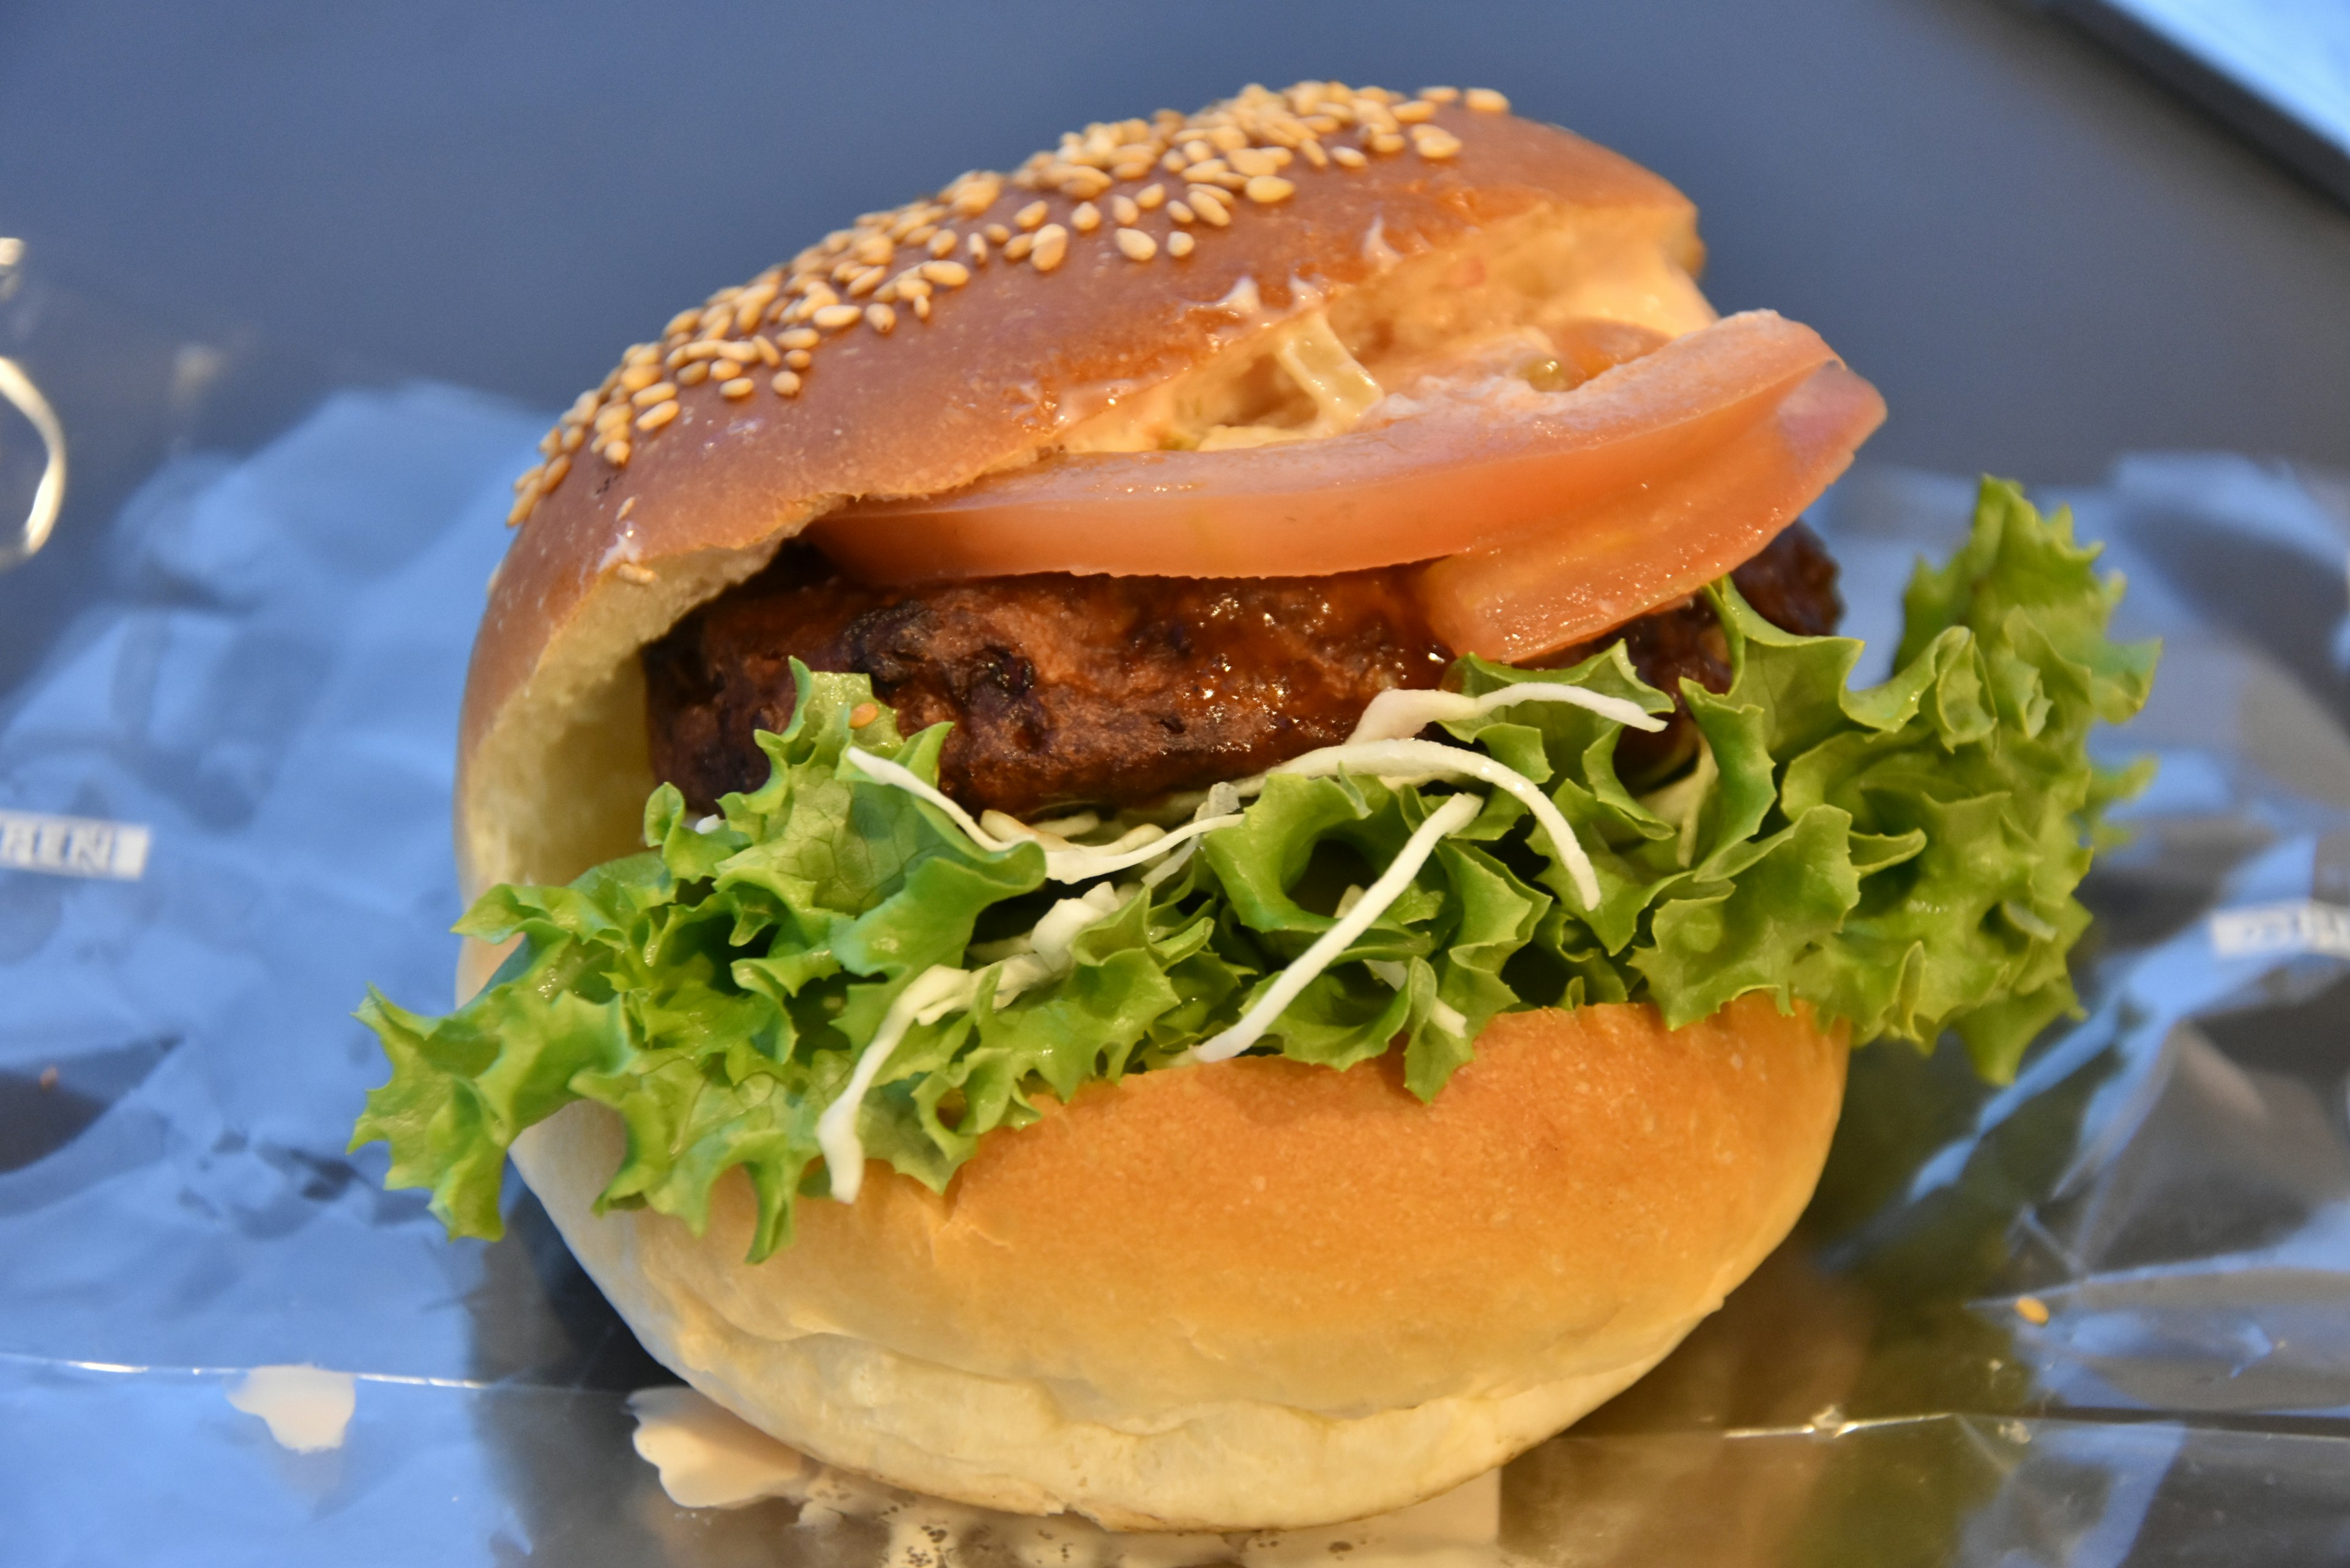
(1903, 857)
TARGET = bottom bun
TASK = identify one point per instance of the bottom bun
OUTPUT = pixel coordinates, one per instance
(1255, 1294)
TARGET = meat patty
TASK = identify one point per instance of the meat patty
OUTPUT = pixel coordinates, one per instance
(1062, 689)
(1117, 690)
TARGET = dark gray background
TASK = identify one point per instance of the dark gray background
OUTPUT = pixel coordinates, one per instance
(2042, 258)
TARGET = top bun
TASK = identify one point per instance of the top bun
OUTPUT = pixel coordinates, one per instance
(892, 360)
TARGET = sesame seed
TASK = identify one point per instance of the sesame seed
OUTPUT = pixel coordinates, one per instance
(786, 384)
(887, 293)
(1267, 188)
(911, 286)
(659, 414)
(683, 321)
(1313, 153)
(799, 358)
(1180, 213)
(1434, 141)
(873, 250)
(975, 193)
(618, 453)
(947, 274)
(1052, 245)
(833, 318)
(1123, 209)
(631, 572)
(800, 337)
(743, 386)
(636, 378)
(923, 308)
(1206, 169)
(1178, 244)
(1254, 161)
(881, 318)
(1137, 245)
(864, 713)
(573, 437)
(520, 513)
(1440, 94)
(1347, 158)
(1209, 202)
(1228, 138)
(1486, 101)
(997, 235)
(1415, 112)
(1386, 142)
(694, 375)
(977, 250)
(1029, 216)
(612, 417)
(769, 355)
(942, 244)
(557, 467)
(1173, 162)
(1016, 248)
(1086, 219)
(528, 481)
(866, 282)
(641, 354)
(659, 392)
(1150, 196)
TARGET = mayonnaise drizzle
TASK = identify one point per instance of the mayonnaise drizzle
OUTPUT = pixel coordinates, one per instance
(1069, 863)
(1394, 715)
(1455, 814)
(1417, 762)
(937, 992)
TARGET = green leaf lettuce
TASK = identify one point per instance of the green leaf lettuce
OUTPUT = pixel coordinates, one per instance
(1903, 857)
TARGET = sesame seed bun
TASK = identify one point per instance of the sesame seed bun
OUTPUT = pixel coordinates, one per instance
(1517, 224)
(1251, 1294)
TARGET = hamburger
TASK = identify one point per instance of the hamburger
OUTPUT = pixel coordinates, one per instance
(1180, 834)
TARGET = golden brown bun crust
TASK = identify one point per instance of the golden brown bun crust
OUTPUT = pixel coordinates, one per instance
(1009, 359)
(1254, 1235)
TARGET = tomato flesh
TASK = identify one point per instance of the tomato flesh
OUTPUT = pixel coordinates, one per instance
(1596, 567)
(1462, 476)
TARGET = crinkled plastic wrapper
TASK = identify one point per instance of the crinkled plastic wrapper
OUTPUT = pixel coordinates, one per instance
(2100, 1316)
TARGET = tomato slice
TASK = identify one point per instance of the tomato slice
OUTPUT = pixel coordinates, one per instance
(1597, 567)
(1461, 474)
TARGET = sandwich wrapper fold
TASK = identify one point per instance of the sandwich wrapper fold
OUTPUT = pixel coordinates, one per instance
(2100, 1316)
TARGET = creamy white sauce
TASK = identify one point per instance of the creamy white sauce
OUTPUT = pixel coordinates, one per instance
(1393, 715)
(308, 1408)
(708, 1455)
(1450, 817)
(1046, 953)
(1417, 762)
(709, 1458)
(1078, 863)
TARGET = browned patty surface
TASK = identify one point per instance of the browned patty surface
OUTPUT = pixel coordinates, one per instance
(1115, 690)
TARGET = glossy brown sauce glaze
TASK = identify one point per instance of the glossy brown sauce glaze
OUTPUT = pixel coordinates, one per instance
(1119, 691)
